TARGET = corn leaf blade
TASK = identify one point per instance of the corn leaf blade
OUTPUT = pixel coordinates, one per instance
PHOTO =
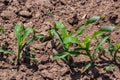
(92, 20)
(89, 21)
(118, 45)
(99, 45)
(60, 55)
(58, 36)
(61, 27)
(18, 32)
(71, 39)
(107, 28)
(6, 52)
(27, 32)
(37, 36)
(86, 67)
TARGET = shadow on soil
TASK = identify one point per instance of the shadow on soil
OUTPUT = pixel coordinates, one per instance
(93, 71)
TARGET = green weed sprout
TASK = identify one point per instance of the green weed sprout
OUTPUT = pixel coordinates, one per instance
(23, 39)
(110, 67)
(117, 48)
(2, 29)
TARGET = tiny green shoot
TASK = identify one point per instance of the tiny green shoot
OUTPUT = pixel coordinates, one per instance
(2, 29)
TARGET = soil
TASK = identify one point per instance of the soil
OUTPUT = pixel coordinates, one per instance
(41, 14)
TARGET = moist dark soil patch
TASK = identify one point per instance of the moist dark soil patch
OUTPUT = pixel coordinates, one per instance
(41, 14)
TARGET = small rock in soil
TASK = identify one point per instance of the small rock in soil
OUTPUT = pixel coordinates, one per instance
(74, 20)
(115, 0)
(25, 14)
(47, 75)
(44, 59)
(6, 15)
(6, 2)
(49, 45)
(2, 7)
(11, 35)
(63, 2)
(113, 18)
(29, 24)
(13, 78)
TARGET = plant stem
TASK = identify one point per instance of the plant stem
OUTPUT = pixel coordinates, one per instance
(18, 56)
(115, 54)
(88, 53)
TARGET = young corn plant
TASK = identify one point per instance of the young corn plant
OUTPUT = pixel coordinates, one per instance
(66, 38)
(23, 39)
(86, 45)
(88, 40)
(114, 50)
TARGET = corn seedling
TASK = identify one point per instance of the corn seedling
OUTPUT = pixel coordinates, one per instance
(117, 48)
(98, 46)
(66, 38)
(113, 49)
(23, 39)
(86, 45)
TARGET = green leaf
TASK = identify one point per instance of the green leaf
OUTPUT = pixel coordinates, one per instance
(50, 34)
(61, 27)
(2, 29)
(118, 45)
(60, 55)
(97, 33)
(27, 32)
(74, 53)
(81, 29)
(92, 19)
(111, 47)
(86, 67)
(37, 36)
(71, 39)
(18, 32)
(89, 21)
(99, 45)
(58, 37)
(107, 28)
(6, 51)
(86, 42)
(110, 67)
